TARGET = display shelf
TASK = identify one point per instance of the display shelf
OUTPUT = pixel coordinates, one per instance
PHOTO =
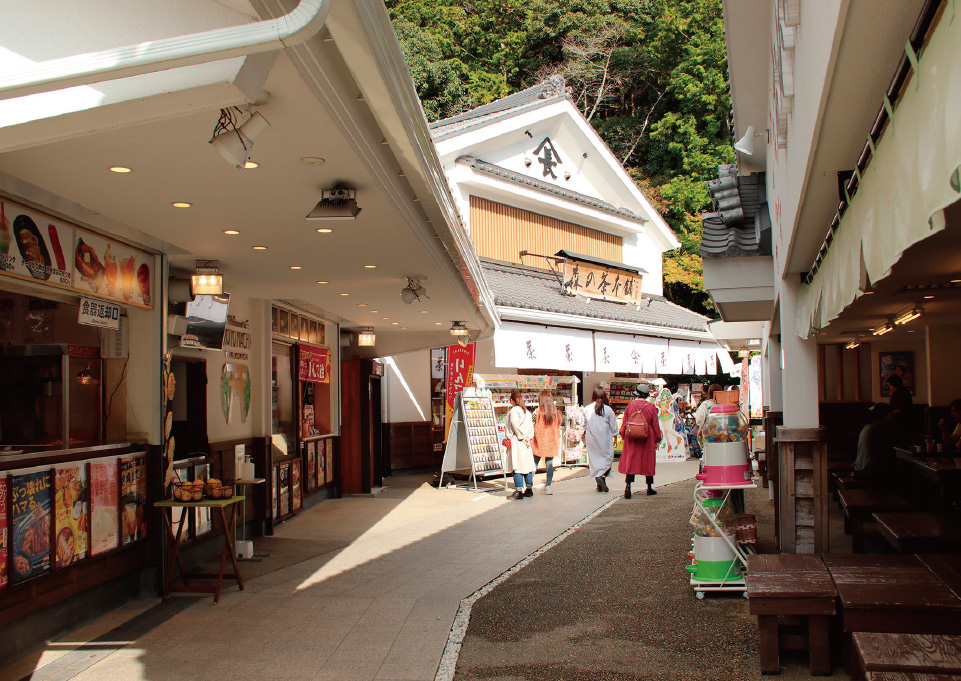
(733, 579)
(473, 441)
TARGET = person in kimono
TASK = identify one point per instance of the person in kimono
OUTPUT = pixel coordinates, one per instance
(638, 455)
(599, 432)
(520, 429)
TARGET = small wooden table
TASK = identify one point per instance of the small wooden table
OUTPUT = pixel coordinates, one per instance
(859, 504)
(174, 539)
(943, 471)
(906, 654)
(915, 532)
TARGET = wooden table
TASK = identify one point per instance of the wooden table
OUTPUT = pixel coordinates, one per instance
(943, 471)
(174, 539)
(915, 532)
(859, 504)
(895, 593)
(907, 654)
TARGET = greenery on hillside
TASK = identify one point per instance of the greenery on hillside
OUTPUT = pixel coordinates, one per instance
(650, 75)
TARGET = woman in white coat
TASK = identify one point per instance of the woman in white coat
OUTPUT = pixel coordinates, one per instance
(520, 429)
(599, 432)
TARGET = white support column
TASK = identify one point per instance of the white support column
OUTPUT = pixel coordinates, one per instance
(771, 376)
(799, 377)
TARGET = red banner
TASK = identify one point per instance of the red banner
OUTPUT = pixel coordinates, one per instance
(460, 373)
(314, 364)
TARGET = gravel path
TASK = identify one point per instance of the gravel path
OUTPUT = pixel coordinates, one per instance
(613, 602)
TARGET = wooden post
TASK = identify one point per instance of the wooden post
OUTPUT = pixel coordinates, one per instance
(857, 374)
(840, 351)
(803, 490)
(822, 381)
(772, 419)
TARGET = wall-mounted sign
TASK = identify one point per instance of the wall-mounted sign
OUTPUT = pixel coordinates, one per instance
(39, 247)
(99, 313)
(599, 281)
(297, 327)
(235, 381)
(548, 157)
(314, 364)
(237, 339)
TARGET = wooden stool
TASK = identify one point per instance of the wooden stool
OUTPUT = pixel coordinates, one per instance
(859, 504)
(905, 653)
(786, 585)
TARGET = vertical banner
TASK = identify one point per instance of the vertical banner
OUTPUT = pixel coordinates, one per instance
(70, 513)
(104, 524)
(460, 373)
(745, 387)
(30, 520)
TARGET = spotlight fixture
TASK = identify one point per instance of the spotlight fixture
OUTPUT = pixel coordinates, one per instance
(87, 376)
(853, 344)
(235, 142)
(908, 315)
(527, 162)
(207, 279)
(459, 329)
(882, 328)
(413, 291)
(745, 145)
(336, 203)
(367, 337)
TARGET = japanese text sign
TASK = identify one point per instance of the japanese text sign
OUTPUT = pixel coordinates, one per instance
(99, 313)
(598, 281)
(314, 365)
(460, 373)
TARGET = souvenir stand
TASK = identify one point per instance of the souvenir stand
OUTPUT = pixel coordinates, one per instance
(473, 442)
(564, 389)
(718, 557)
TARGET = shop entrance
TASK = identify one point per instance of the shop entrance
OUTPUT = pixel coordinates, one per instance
(190, 406)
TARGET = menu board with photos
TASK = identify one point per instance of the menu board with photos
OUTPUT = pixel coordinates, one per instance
(312, 465)
(4, 579)
(295, 492)
(274, 509)
(104, 523)
(482, 438)
(30, 522)
(133, 498)
(71, 513)
(284, 489)
(39, 247)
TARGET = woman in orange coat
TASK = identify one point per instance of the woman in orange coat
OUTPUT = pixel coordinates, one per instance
(638, 455)
(547, 434)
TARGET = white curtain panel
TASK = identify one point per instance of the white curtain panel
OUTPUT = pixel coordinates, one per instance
(625, 353)
(727, 364)
(710, 358)
(528, 346)
(912, 178)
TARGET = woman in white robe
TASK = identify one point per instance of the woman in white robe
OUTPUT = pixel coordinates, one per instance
(520, 429)
(599, 432)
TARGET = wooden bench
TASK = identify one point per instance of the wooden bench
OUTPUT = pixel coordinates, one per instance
(915, 532)
(859, 504)
(907, 676)
(791, 585)
(905, 653)
(844, 479)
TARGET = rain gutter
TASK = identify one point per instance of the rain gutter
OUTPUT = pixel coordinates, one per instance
(302, 23)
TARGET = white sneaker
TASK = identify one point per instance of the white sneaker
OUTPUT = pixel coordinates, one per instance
(547, 489)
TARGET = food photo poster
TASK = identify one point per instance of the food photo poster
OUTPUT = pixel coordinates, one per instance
(30, 521)
(104, 524)
(70, 513)
(4, 579)
(133, 494)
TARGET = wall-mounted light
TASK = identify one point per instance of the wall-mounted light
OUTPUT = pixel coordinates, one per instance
(367, 337)
(413, 291)
(527, 162)
(235, 142)
(745, 145)
(853, 344)
(882, 328)
(87, 375)
(908, 315)
(207, 279)
(336, 203)
(459, 331)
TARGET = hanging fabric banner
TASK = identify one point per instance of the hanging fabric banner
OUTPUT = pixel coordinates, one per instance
(460, 373)
(615, 352)
(528, 346)
(727, 364)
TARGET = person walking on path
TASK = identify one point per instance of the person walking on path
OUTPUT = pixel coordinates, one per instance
(547, 434)
(520, 429)
(599, 432)
(639, 454)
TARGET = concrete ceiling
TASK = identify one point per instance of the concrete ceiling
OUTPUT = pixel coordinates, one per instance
(171, 161)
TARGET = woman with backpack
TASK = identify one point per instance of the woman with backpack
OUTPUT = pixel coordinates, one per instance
(641, 433)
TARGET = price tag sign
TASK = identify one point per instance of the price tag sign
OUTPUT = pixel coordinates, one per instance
(99, 313)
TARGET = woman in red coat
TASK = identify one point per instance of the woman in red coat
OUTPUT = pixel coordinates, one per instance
(638, 455)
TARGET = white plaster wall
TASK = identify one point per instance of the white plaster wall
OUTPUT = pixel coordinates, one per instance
(143, 374)
(943, 364)
(641, 252)
(407, 379)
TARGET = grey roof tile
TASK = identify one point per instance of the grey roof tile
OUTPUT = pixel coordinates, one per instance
(523, 287)
(729, 233)
(520, 178)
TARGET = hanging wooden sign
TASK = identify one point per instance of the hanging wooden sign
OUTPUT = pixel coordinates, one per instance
(600, 281)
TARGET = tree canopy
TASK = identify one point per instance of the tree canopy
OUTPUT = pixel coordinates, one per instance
(650, 76)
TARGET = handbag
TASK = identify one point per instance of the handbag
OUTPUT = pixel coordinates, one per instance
(506, 442)
(637, 426)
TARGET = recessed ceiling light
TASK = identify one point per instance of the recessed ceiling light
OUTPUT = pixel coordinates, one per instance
(313, 161)
(403, 328)
(120, 169)
(323, 282)
(231, 232)
(345, 294)
(374, 311)
(395, 323)
(369, 267)
(928, 297)
(259, 248)
(325, 230)
(385, 317)
(181, 204)
(956, 281)
(296, 267)
(250, 165)
(361, 304)
(438, 323)
(424, 311)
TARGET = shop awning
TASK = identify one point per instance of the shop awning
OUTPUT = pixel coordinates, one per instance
(647, 355)
(527, 346)
(912, 177)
